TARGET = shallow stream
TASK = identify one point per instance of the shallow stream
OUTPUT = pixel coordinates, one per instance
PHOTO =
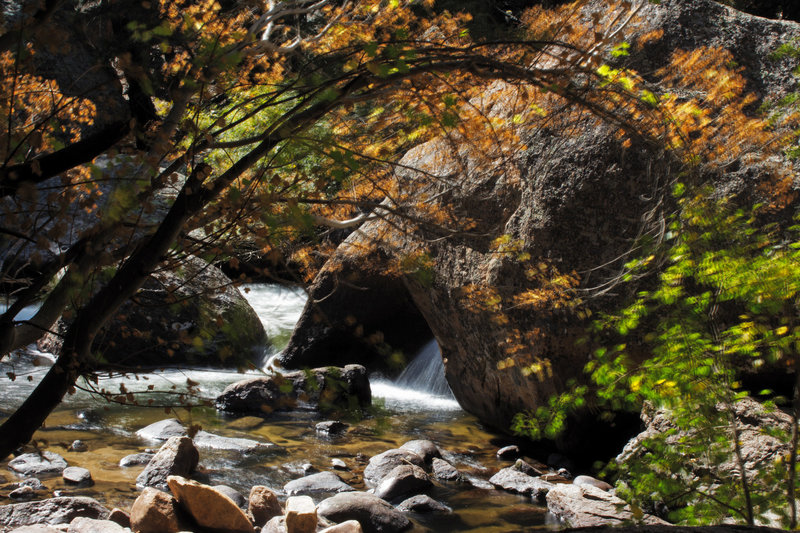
(405, 409)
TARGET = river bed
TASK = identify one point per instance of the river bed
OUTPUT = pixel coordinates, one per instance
(403, 411)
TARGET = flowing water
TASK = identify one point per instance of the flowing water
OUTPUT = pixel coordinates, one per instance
(417, 405)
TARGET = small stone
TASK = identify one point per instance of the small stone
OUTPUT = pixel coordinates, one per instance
(76, 475)
(78, 446)
(263, 505)
(301, 515)
(308, 468)
(136, 459)
(35, 464)
(22, 493)
(590, 481)
(422, 503)
(508, 452)
(350, 526)
(331, 428)
(563, 472)
(338, 464)
(444, 471)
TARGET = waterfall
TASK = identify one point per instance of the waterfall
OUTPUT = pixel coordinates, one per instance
(425, 373)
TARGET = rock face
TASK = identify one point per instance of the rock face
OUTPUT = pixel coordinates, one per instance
(53, 511)
(324, 388)
(587, 506)
(374, 514)
(193, 316)
(571, 201)
(177, 457)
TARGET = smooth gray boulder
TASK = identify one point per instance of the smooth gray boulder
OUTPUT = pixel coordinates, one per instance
(322, 482)
(422, 503)
(51, 512)
(38, 464)
(177, 457)
(513, 480)
(374, 514)
(326, 388)
(401, 481)
(380, 465)
(162, 430)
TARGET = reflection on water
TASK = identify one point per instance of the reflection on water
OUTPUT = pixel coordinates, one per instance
(402, 413)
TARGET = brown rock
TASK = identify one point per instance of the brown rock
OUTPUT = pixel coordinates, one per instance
(263, 505)
(209, 507)
(301, 515)
(155, 511)
(120, 517)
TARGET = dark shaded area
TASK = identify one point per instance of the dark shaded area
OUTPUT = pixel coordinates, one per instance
(773, 9)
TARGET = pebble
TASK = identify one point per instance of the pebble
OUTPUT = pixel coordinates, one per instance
(77, 476)
(78, 446)
(338, 464)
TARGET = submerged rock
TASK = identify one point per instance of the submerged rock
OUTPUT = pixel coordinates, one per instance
(374, 514)
(422, 503)
(38, 464)
(320, 388)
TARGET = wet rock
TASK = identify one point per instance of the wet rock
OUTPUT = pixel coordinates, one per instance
(508, 452)
(444, 471)
(350, 526)
(479, 483)
(301, 515)
(135, 459)
(263, 505)
(32, 482)
(162, 430)
(204, 439)
(177, 456)
(155, 511)
(91, 525)
(22, 493)
(515, 481)
(402, 480)
(237, 497)
(374, 514)
(38, 464)
(589, 480)
(424, 448)
(246, 423)
(208, 507)
(422, 503)
(320, 388)
(76, 475)
(78, 446)
(317, 483)
(330, 428)
(383, 463)
(588, 506)
(525, 468)
(120, 517)
(51, 512)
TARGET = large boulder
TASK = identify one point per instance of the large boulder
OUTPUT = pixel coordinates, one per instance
(587, 506)
(176, 457)
(374, 514)
(320, 388)
(38, 463)
(562, 212)
(52, 512)
(190, 316)
(209, 507)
